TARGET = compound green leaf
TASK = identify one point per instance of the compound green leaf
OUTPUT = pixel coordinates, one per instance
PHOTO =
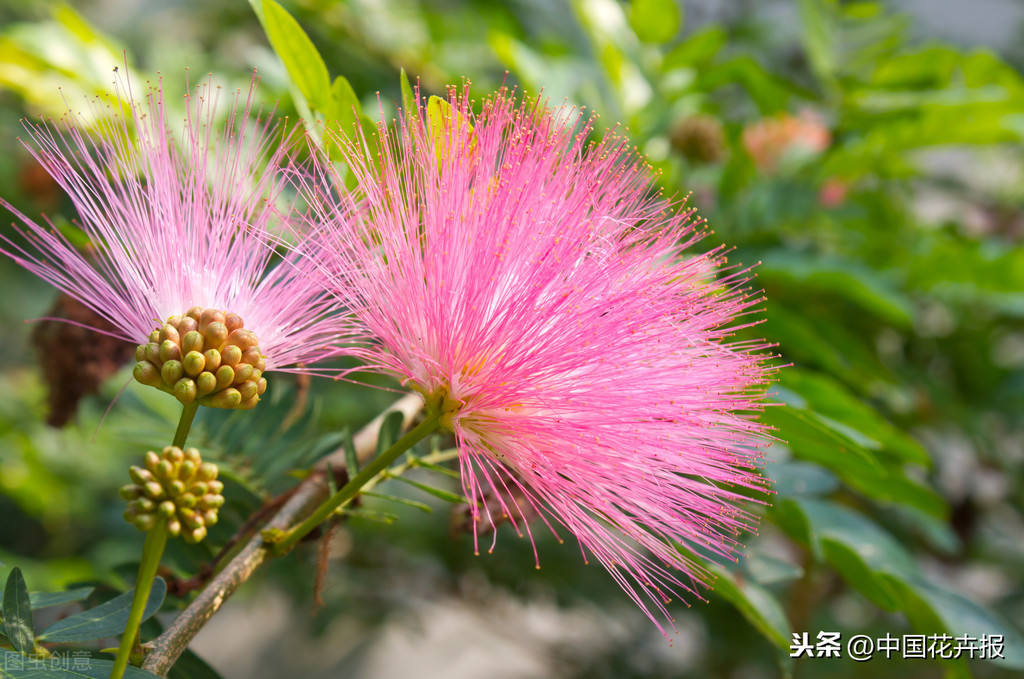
(47, 599)
(106, 620)
(17, 607)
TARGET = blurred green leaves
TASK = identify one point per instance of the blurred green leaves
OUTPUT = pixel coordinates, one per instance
(54, 63)
(881, 569)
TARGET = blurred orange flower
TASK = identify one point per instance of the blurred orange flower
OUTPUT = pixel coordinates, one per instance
(770, 139)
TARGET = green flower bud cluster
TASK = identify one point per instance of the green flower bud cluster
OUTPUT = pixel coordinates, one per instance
(177, 487)
(206, 356)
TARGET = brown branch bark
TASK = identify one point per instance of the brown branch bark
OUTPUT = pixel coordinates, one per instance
(164, 651)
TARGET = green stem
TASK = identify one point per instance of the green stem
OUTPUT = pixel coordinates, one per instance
(152, 550)
(156, 539)
(188, 414)
(281, 543)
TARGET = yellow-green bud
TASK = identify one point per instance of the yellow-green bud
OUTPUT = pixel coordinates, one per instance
(212, 501)
(248, 390)
(190, 519)
(185, 390)
(192, 341)
(205, 383)
(230, 355)
(196, 535)
(206, 472)
(210, 316)
(146, 373)
(187, 325)
(193, 362)
(171, 372)
(229, 398)
(139, 475)
(170, 351)
(165, 470)
(132, 491)
(153, 490)
(225, 377)
(242, 338)
(242, 373)
(175, 488)
(216, 334)
(169, 333)
(212, 357)
(166, 509)
(251, 355)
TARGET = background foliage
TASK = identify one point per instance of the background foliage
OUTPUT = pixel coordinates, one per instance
(873, 176)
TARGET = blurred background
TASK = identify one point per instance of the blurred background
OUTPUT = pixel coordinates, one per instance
(866, 156)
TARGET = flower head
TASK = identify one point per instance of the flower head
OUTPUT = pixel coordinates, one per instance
(178, 243)
(175, 486)
(529, 284)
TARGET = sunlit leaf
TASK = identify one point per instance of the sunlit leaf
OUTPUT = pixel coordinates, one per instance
(655, 20)
(300, 56)
(408, 98)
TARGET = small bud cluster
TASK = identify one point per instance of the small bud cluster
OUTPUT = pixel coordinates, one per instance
(207, 356)
(700, 138)
(175, 486)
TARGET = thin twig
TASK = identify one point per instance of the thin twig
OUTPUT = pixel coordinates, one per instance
(165, 649)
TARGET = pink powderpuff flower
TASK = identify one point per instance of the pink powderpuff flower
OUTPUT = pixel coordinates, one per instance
(179, 243)
(530, 285)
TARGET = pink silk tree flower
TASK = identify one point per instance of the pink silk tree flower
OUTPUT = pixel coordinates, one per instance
(178, 249)
(531, 286)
